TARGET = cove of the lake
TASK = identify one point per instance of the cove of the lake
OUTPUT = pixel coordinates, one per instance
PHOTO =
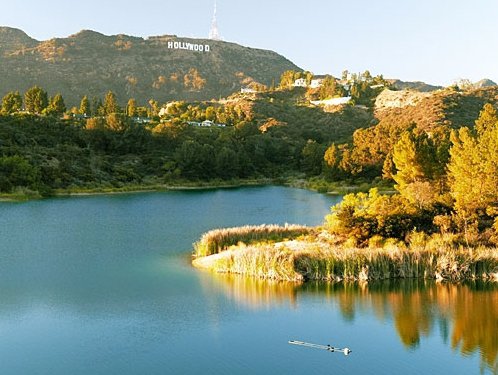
(103, 285)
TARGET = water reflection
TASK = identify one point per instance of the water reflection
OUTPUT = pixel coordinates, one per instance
(465, 316)
(251, 293)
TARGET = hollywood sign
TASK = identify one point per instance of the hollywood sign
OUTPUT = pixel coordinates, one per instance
(189, 46)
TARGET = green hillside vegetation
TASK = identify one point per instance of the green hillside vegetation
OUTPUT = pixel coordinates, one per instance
(102, 145)
(105, 144)
(93, 63)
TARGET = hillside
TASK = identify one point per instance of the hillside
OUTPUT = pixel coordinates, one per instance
(417, 86)
(427, 110)
(397, 111)
(160, 67)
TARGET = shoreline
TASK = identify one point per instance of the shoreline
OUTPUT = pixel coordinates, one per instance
(333, 188)
(133, 189)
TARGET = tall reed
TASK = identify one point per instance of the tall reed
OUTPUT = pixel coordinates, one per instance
(218, 240)
(263, 261)
(312, 261)
(299, 253)
(336, 264)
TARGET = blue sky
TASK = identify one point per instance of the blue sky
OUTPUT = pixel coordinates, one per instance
(437, 41)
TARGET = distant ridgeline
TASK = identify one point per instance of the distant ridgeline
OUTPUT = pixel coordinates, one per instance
(160, 67)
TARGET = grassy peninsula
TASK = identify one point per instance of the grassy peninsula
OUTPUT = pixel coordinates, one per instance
(295, 253)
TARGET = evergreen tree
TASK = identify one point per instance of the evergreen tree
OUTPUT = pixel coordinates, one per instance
(465, 176)
(487, 118)
(17, 171)
(110, 103)
(131, 108)
(406, 160)
(473, 168)
(227, 163)
(419, 177)
(312, 157)
(11, 103)
(154, 107)
(35, 100)
(388, 168)
(85, 106)
(56, 106)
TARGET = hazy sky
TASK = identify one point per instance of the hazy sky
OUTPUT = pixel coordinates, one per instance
(437, 41)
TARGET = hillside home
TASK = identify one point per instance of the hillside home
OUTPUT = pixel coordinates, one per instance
(247, 90)
(207, 123)
(316, 83)
(300, 82)
(141, 120)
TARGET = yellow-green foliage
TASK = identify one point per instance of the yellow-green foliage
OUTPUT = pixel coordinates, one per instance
(218, 240)
(361, 216)
(473, 168)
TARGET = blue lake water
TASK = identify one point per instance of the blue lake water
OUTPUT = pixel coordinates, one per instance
(103, 285)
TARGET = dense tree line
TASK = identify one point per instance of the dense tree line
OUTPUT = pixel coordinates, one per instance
(100, 144)
(447, 182)
(45, 153)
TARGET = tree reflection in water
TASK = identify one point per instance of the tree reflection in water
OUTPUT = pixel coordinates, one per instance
(466, 314)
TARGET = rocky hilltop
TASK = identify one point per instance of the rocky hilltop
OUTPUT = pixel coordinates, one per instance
(415, 86)
(160, 67)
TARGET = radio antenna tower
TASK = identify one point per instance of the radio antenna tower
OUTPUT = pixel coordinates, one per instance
(214, 33)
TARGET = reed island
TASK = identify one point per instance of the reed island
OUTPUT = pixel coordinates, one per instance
(350, 247)
(298, 253)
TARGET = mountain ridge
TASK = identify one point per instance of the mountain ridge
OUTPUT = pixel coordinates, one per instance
(163, 67)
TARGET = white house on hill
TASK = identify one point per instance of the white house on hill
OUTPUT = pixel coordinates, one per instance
(316, 83)
(247, 90)
(300, 82)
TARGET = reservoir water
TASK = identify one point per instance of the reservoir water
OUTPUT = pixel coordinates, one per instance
(103, 285)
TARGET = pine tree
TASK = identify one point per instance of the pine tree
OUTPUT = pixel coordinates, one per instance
(328, 88)
(110, 103)
(487, 118)
(131, 108)
(417, 176)
(11, 103)
(56, 106)
(154, 107)
(97, 107)
(464, 175)
(407, 164)
(473, 167)
(85, 106)
(35, 100)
